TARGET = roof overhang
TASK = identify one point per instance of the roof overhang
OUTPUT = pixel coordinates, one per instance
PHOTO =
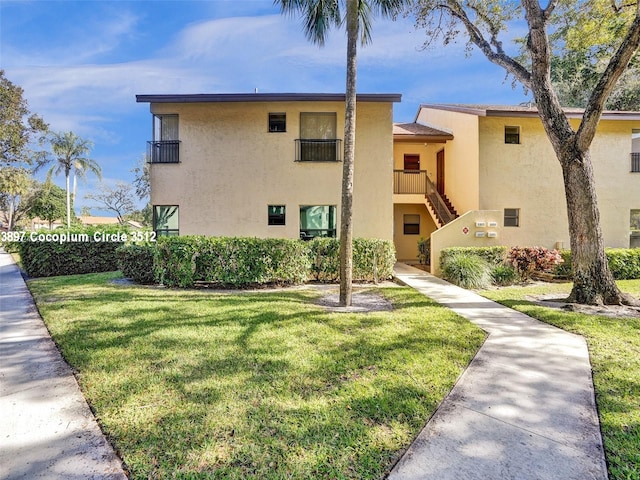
(525, 111)
(419, 133)
(265, 97)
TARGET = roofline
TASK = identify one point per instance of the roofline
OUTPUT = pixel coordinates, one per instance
(265, 97)
(491, 111)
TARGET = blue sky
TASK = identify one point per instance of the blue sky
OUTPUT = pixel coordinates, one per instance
(81, 63)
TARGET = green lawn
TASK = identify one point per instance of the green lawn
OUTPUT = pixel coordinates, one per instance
(198, 384)
(614, 347)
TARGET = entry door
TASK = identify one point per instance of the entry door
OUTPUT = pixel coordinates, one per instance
(440, 172)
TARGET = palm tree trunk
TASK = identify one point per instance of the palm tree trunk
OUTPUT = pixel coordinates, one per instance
(68, 201)
(346, 212)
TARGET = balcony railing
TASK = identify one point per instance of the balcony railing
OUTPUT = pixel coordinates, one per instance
(164, 151)
(635, 162)
(410, 181)
(318, 150)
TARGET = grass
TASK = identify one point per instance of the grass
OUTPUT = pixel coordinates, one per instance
(614, 347)
(198, 384)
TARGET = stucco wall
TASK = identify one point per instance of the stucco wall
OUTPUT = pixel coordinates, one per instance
(529, 177)
(407, 245)
(464, 231)
(232, 168)
(461, 156)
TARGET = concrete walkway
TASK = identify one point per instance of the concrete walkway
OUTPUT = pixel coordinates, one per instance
(524, 408)
(46, 428)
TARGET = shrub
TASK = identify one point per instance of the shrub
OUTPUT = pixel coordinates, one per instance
(69, 252)
(527, 260)
(236, 262)
(494, 256)
(373, 259)
(504, 274)
(624, 263)
(136, 262)
(467, 270)
(424, 251)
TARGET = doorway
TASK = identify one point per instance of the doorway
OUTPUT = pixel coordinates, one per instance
(440, 172)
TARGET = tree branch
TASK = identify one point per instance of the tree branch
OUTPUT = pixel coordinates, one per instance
(605, 86)
(477, 38)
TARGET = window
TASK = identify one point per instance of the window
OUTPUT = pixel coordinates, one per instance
(165, 146)
(511, 217)
(412, 161)
(277, 122)
(411, 224)
(318, 142)
(634, 240)
(317, 221)
(635, 150)
(165, 220)
(512, 135)
(276, 215)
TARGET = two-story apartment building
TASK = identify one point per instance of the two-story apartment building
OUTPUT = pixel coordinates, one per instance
(498, 160)
(268, 165)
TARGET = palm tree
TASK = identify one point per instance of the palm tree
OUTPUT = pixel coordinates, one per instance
(70, 154)
(319, 16)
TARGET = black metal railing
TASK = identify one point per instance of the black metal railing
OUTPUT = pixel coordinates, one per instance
(410, 181)
(164, 151)
(635, 162)
(318, 150)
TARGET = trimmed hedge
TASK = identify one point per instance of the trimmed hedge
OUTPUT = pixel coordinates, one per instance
(235, 262)
(69, 252)
(373, 259)
(238, 262)
(136, 262)
(624, 263)
(494, 256)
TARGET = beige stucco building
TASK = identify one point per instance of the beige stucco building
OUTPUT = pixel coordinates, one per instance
(499, 172)
(268, 165)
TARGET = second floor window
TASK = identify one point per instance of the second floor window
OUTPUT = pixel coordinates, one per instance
(165, 146)
(512, 135)
(318, 142)
(635, 150)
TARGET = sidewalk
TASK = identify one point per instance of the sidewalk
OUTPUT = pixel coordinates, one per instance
(523, 409)
(46, 428)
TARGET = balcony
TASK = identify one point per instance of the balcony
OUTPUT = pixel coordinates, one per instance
(164, 151)
(635, 162)
(410, 181)
(318, 150)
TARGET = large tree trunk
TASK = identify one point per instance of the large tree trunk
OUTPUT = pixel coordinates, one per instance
(346, 212)
(593, 282)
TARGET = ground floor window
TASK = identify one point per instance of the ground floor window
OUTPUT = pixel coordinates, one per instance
(317, 221)
(411, 224)
(276, 215)
(165, 220)
(511, 217)
(634, 241)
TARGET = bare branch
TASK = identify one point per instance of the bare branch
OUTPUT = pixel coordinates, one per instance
(499, 57)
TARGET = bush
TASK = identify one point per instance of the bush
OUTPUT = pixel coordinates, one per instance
(466, 270)
(70, 252)
(373, 259)
(494, 256)
(424, 251)
(527, 260)
(136, 262)
(504, 275)
(624, 263)
(235, 262)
